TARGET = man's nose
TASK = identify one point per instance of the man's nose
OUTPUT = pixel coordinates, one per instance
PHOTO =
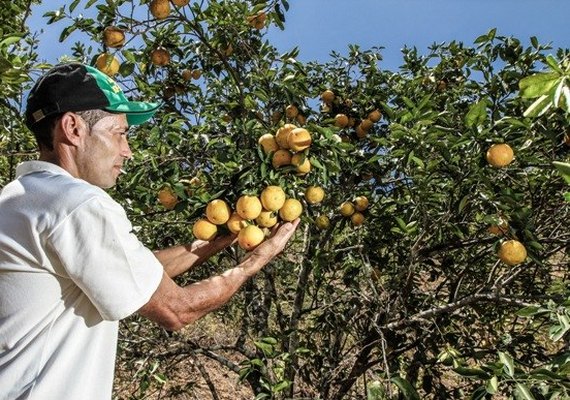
(125, 148)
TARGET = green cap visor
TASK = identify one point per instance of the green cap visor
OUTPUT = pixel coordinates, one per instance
(137, 112)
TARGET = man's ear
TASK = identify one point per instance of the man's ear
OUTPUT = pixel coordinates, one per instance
(72, 129)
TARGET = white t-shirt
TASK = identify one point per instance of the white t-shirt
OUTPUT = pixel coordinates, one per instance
(70, 268)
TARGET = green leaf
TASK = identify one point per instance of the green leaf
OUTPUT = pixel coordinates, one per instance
(471, 372)
(477, 114)
(492, 385)
(553, 63)
(523, 392)
(564, 169)
(528, 311)
(508, 363)
(539, 107)
(407, 390)
(538, 84)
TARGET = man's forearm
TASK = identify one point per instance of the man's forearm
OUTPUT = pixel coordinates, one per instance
(179, 259)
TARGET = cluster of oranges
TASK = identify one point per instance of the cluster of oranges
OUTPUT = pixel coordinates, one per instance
(343, 119)
(288, 147)
(354, 209)
(251, 217)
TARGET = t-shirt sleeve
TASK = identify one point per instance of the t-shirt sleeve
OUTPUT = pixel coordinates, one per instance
(97, 249)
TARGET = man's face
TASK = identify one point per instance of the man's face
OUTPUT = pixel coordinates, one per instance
(103, 151)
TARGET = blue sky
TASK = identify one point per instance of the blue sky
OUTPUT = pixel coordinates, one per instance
(320, 26)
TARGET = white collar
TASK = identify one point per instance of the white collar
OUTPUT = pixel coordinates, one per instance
(28, 167)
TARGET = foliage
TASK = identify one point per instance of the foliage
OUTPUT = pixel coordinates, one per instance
(413, 303)
(17, 56)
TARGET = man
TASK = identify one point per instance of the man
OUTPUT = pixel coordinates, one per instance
(70, 266)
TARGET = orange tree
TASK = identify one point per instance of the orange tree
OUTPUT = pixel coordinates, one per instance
(405, 297)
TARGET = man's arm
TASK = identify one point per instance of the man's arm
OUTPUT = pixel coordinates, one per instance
(179, 259)
(174, 307)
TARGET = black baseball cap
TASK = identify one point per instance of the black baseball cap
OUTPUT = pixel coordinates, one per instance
(78, 87)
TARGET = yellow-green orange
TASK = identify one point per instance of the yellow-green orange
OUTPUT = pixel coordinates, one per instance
(204, 229)
(272, 198)
(218, 212)
(512, 252)
(346, 209)
(266, 219)
(291, 210)
(248, 207)
(250, 237)
(314, 194)
(235, 223)
(500, 155)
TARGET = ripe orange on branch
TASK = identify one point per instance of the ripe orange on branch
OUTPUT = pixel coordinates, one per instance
(204, 229)
(299, 139)
(167, 197)
(512, 252)
(291, 210)
(500, 155)
(248, 207)
(272, 198)
(160, 9)
(328, 96)
(236, 223)
(113, 37)
(314, 194)
(218, 212)
(268, 143)
(250, 237)
(108, 64)
(160, 57)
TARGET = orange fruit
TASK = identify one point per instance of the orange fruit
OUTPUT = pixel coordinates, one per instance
(291, 111)
(218, 212)
(366, 124)
(301, 119)
(500, 155)
(235, 223)
(375, 116)
(357, 218)
(167, 197)
(322, 222)
(186, 74)
(314, 194)
(276, 117)
(204, 229)
(281, 158)
(250, 237)
(282, 135)
(108, 64)
(360, 132)
(341, 120)
(512, 252)
(361, 203)
(302, 163)
(499, 229)
(272, 198)
(257, 21)
(160, 57)
(180, 3)
(299, 139)
(248, 207)
(346, 209)
(160, 9)
(266, 219)
(291, 210)
(113, 37)
(327, 96)
(268, 143)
